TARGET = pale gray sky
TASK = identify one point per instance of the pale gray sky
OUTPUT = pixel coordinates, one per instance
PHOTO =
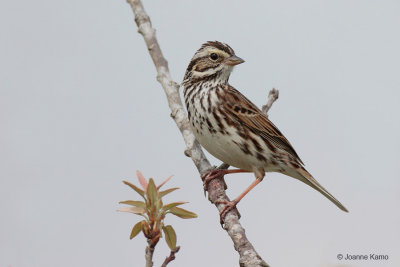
(80, 110)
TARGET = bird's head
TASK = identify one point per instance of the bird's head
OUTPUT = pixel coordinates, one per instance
(213, 61)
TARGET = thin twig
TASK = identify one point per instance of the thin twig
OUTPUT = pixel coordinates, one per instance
(152, 242)
(273, 95)
(149, 255)
(248, 257)
(171, 256)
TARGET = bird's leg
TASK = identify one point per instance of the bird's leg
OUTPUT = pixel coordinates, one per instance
(218, 174)
(229, 205)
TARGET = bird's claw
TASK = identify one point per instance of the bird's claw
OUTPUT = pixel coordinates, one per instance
(214, 174)
(229, 205)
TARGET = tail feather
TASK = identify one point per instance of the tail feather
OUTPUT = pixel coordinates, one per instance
(307, 178)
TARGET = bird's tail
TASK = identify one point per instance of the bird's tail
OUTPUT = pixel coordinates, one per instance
(304, 176)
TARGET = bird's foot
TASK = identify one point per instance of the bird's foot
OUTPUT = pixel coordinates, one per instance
(214, 174)
(229, 205)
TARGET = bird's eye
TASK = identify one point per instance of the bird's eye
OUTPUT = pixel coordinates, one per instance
(214, 56)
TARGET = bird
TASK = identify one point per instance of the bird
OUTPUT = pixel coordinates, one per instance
(233, 129)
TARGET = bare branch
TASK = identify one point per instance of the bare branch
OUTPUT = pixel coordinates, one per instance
(170, 87)
(247, 253)
(171, 256)
(273, 95)
(149, 255)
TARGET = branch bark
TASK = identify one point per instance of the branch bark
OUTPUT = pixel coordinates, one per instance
(149, 255)
(273, 95)
(248, 257)
(171, 256)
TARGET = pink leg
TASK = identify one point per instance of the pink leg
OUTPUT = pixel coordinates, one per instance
(229, 205)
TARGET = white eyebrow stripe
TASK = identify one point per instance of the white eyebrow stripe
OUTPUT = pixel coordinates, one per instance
(201, 54)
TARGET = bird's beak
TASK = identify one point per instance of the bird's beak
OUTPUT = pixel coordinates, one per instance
(233, 60)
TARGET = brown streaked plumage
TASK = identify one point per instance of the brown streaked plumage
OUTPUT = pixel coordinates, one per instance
(231, 127)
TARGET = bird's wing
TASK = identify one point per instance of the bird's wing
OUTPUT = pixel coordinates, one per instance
(243, 111)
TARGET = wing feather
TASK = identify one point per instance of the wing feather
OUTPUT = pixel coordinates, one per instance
(248, 115)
